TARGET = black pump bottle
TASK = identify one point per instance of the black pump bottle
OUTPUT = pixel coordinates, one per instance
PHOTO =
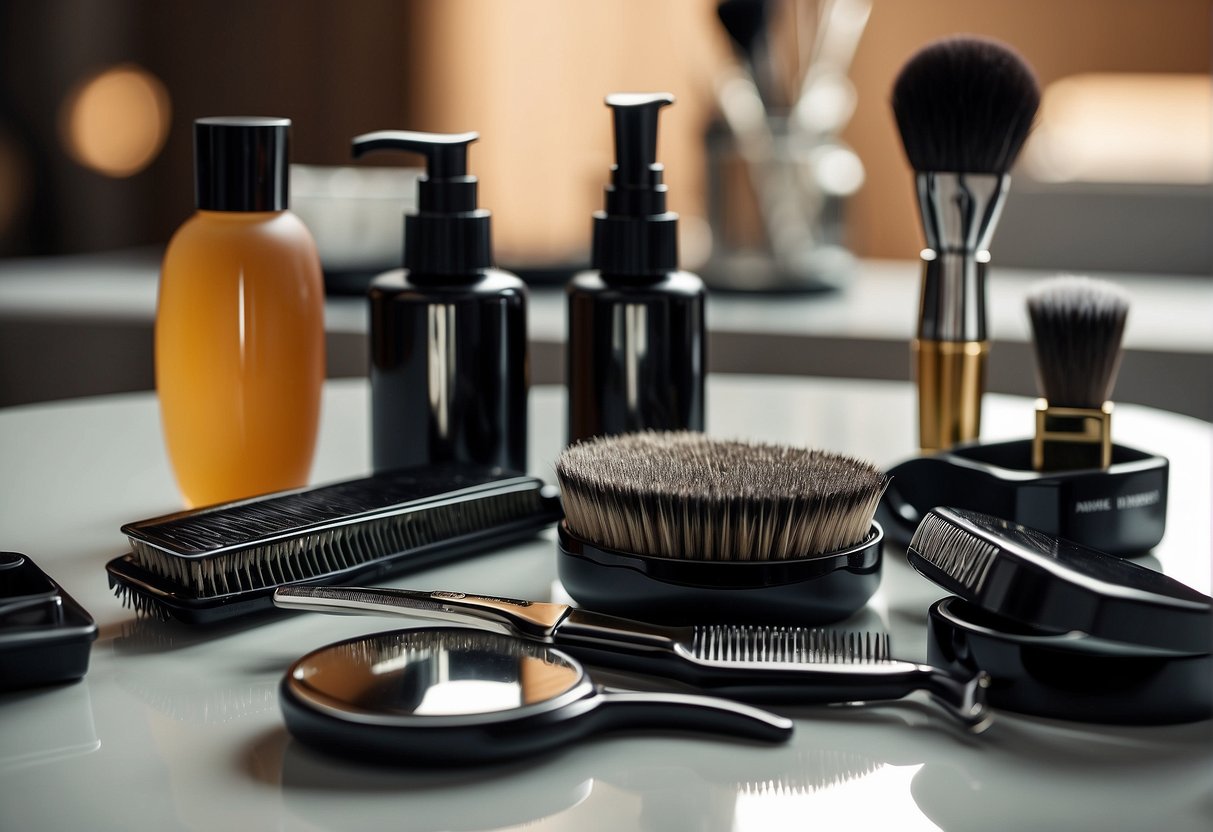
(636, 323)
(449, 365)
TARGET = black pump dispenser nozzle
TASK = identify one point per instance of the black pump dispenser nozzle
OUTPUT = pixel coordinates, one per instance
(636, 236)
(449, 235)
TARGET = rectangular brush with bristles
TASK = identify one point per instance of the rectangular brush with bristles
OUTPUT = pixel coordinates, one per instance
(1057, 586)
(222, 562)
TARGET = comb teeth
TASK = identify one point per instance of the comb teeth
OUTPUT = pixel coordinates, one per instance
(795, 645)
(313, 554)
(959, 554)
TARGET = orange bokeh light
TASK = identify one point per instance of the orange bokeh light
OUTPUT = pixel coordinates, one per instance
(116, 121)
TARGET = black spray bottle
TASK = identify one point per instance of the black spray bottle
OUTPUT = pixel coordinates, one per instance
(636, 323)
(449, 365)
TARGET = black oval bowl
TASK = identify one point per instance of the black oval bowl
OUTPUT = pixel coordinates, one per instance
(807, 591)
(1069, 675)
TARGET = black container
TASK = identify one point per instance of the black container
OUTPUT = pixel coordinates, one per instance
(808, 591)
(448, 372)
(1069, 675)
(636, 323)
(449, 362)
(1064, 630)
(45, 636)
(635, 354)
(1121, 510)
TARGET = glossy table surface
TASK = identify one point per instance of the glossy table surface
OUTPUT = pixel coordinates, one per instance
(175, 729)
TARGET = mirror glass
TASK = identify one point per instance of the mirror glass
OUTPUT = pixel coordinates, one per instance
(436, 673)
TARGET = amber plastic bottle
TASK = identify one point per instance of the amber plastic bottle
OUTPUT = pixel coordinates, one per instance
(240, 322)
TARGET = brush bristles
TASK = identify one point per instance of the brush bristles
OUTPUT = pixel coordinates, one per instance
(1077, 327)
(965, 105)
(684, 495)
(313, 555)
(794, 645)
(144, 605)
(961, 555)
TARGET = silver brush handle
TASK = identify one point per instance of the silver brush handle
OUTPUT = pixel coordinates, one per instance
(959, 212)
(504, 615)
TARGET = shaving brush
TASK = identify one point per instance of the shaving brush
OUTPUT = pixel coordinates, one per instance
(964, 107)
(1077, 327)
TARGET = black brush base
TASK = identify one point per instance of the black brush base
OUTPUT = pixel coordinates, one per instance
(804, 592)
(1121, 510)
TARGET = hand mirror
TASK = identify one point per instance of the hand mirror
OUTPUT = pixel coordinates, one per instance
(445, 695)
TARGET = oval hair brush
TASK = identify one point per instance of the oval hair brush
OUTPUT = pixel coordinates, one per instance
(681, 528)
(1077, 327)
(964, 107)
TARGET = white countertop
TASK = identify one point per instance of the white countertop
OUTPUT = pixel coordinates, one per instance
(174, 729)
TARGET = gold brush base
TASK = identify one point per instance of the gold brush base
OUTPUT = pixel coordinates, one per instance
(951, 378)
(1071, 438)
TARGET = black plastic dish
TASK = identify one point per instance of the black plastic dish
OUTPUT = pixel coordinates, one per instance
(815, 590)
(1069, 675)
(45, 636)
(1121, 510)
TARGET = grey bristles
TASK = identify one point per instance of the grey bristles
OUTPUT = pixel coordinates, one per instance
(1078, 324)
(315, 554)
(959, 554)
(965, 105)
(684, 495)
(797, 645)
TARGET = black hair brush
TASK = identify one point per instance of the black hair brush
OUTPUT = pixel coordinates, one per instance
(222, 562)
(683, 528)
(964, 107)
(1077, 327)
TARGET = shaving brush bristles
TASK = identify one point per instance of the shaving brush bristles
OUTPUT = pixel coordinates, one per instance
(965, 105)
(684, 495)
(1078, 324)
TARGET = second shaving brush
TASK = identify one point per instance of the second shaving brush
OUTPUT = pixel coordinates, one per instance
(681, 528)
(964, 107)
(1069, 479)
(1077, 327)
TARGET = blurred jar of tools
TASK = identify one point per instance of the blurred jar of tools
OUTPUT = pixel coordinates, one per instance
(779, 174)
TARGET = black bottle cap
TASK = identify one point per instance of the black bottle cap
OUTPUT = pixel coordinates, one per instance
(636, 236)
(449, 235)
(240, 163)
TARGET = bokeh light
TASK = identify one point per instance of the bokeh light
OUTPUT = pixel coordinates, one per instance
(116, 121)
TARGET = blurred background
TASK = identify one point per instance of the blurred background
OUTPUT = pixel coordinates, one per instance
(97, 98)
